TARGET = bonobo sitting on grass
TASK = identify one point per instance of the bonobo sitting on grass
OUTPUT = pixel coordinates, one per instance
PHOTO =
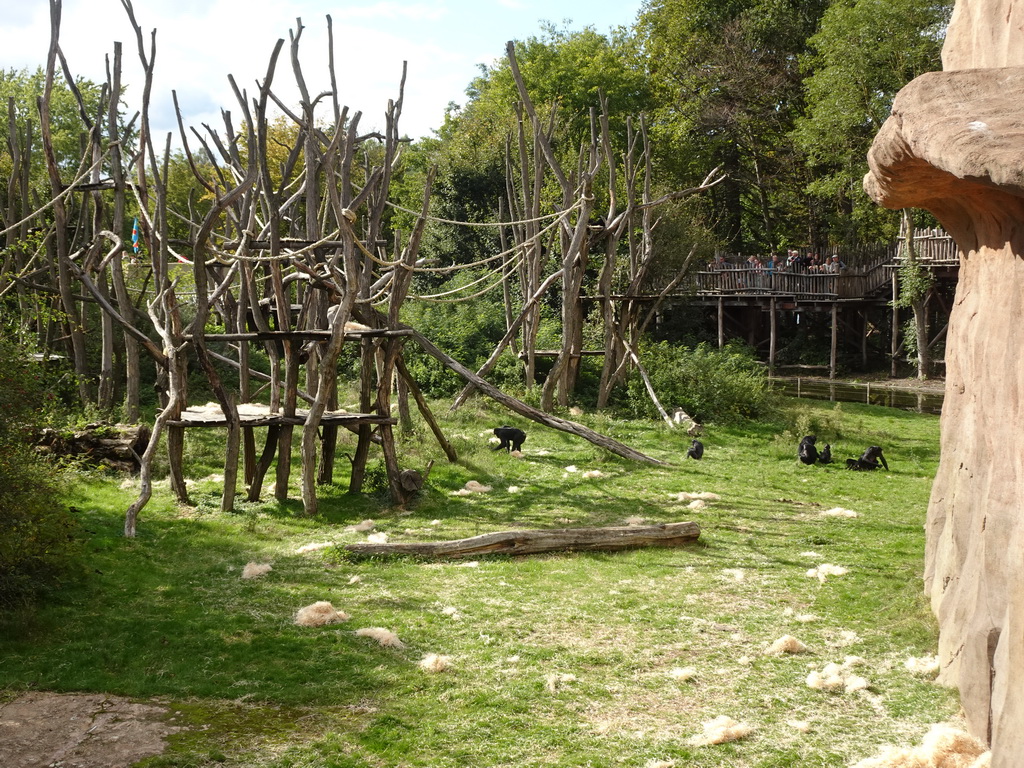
(696, 450)
(868, 460)
(807, 453)
(511, 438)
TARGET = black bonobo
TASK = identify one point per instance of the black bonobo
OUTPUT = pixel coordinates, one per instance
(696, 450)
(871, 459)
(807, 453)
(512, 439)
(825, 457)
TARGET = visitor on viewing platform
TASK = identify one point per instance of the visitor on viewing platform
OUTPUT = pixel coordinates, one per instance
(834, 266)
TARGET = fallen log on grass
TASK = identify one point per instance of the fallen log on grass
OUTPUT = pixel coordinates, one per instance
(532, 542)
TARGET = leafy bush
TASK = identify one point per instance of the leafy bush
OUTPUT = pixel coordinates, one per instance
(468, 330)
(38, 539)
(709, 384)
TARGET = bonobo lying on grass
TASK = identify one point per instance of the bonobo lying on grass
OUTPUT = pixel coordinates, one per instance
(511, 438)
(871, 459)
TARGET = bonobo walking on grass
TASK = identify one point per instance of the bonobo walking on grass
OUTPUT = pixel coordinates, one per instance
(511, 438)
(871, 459)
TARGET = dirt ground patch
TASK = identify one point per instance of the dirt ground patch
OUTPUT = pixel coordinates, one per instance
(39, 730)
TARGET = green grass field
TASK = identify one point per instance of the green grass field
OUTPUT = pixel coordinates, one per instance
(610, 659)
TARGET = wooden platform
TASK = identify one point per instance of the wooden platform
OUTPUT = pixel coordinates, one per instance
(256, 415)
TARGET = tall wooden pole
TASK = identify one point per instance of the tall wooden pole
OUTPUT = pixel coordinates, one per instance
(835, 341)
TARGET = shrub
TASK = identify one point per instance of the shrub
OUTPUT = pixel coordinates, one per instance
(709, 384)
(38, 536)
(468, 330)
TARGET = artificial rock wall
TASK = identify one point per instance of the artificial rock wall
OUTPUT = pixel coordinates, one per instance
(954, 145)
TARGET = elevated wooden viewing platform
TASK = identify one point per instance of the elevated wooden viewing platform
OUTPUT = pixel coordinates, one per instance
(751, 302)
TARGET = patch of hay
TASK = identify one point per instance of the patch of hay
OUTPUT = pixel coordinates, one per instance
(470, 564)
(786, 644)
(452, 612)
(574, 411)
(556, 680)
(474, 487)
(255, 570)
(660, 764)
(384, 637)
(635, 521)
(697, 504)
(838, 512)
(434, 663)
(514, 489)
(494, 440)
(738, 574)
(364, 527)
(313, 547)
(835, 677)
(592, 474)
(800, 725)
(682, 674)
(721, 730)
(823, 571)
(925, 666)
(942, 747)
(698, 496)
(319, 614)
(354, 580)
(516, 454)
(377, 538)
(571, 468)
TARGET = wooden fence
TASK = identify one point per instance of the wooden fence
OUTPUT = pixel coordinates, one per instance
(849, 283)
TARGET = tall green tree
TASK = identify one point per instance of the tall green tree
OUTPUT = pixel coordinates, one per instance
(728, 81)
(564, 70)
(863, 53)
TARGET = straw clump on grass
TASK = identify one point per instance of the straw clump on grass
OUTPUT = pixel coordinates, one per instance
(823, 571)
(834, 677)
(838, 512)
(786, 644)
(319, 614)
(942, 747)
(925, 666)
(313, 547)
(472, 487)
(721, 730)
(435, 663)
(255, 570)
(384, 637)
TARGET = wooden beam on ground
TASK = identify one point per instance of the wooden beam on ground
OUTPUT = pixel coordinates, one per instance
(529, 411)
(532, 542)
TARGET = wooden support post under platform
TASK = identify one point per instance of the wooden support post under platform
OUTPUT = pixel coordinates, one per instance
(864, 339)
(175, 460)
(773, 339)
(895, 324)
(367, 356)
(721, 322)
(835, 341)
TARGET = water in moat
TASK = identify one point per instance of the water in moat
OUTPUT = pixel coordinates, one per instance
(872, 394)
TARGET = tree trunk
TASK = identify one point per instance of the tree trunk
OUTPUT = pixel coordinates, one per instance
(540, 541)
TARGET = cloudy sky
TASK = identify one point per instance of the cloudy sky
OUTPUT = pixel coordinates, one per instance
(200, 42)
